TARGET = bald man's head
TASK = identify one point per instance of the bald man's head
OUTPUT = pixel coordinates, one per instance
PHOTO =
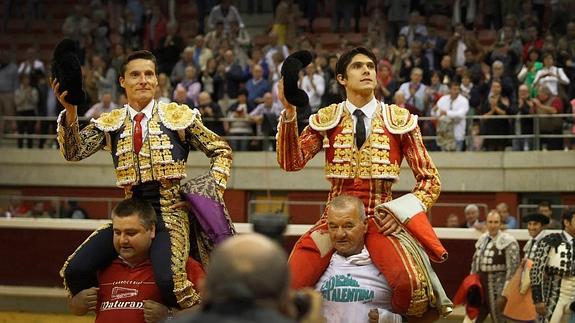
(247, 267)
(204, 98)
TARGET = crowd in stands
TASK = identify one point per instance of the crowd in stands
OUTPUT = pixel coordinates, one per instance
(486, 58)
(20, 208)
(473, 218)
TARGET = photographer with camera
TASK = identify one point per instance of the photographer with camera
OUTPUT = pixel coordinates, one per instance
(212, 112)
(239, 124)
(266, 116)
(460, 41)
(525, 106)
(248, 281)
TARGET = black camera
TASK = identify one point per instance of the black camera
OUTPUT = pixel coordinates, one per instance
(302, 304)
(272, 226)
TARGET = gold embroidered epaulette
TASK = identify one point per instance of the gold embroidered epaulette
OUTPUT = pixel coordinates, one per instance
(111, 121)
(398, 120)
(326, 118)
(177, 116)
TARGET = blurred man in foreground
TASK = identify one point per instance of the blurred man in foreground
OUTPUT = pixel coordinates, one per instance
(248, 281)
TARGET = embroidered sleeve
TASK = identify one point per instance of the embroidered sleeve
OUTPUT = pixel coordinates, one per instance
(475, 259)
(537, 270)
(511, 259)
(215, 148)
(428, 185)
(76, 145)
(294, 151)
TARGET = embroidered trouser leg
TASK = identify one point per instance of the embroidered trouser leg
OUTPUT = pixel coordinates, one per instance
(170, 248)
(95, 253)
(169, 253)
(310, 257)
(566, 297)
(494, 282)
(404, 270)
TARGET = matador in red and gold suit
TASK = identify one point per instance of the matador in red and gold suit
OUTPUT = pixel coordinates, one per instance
(368, 172)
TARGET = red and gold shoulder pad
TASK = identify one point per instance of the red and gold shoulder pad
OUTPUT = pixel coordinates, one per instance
(398, 120)
(326, 118)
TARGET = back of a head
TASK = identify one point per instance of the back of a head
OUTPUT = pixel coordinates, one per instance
(247, 269)
(134, 206)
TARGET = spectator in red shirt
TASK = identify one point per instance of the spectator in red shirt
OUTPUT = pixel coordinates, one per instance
(545, 104)
(533, 41)
(155, 28)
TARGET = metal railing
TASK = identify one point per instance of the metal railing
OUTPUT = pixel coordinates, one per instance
(516, 119)
(255, 208)
(54, 205)
(282, 207)
(483, 208)
(537, 136)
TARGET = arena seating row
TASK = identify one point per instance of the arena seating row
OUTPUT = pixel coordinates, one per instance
(22, 33)
(44, 34)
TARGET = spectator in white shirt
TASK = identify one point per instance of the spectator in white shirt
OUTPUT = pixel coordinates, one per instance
(280, 51)
(352, 288)
(550, 75)
(314, 85)
(414, 30)
(105, 105)
(453, 108)
(266, 116)
(225, 12)
(31, 63)
(414, 92)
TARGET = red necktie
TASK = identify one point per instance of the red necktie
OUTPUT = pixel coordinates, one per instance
(138, 132)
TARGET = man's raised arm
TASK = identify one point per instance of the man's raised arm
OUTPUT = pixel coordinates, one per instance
(75, 144)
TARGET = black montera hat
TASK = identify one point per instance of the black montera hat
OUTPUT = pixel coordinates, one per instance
(66, 68)
(538, 217)
(290, 70)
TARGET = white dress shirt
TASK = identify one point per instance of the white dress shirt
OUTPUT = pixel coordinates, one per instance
(368, 111)
(148, 116)
(314, 94)
(456, 110)
(551, 81)
(418, 97)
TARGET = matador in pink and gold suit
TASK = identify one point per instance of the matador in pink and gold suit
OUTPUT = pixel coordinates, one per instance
(368, 172)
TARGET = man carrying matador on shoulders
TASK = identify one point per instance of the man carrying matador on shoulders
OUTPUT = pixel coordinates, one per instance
(365, 142)
(149, 142)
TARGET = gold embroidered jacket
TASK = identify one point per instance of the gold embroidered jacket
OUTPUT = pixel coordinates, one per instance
(369, 172)
(172, 131)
